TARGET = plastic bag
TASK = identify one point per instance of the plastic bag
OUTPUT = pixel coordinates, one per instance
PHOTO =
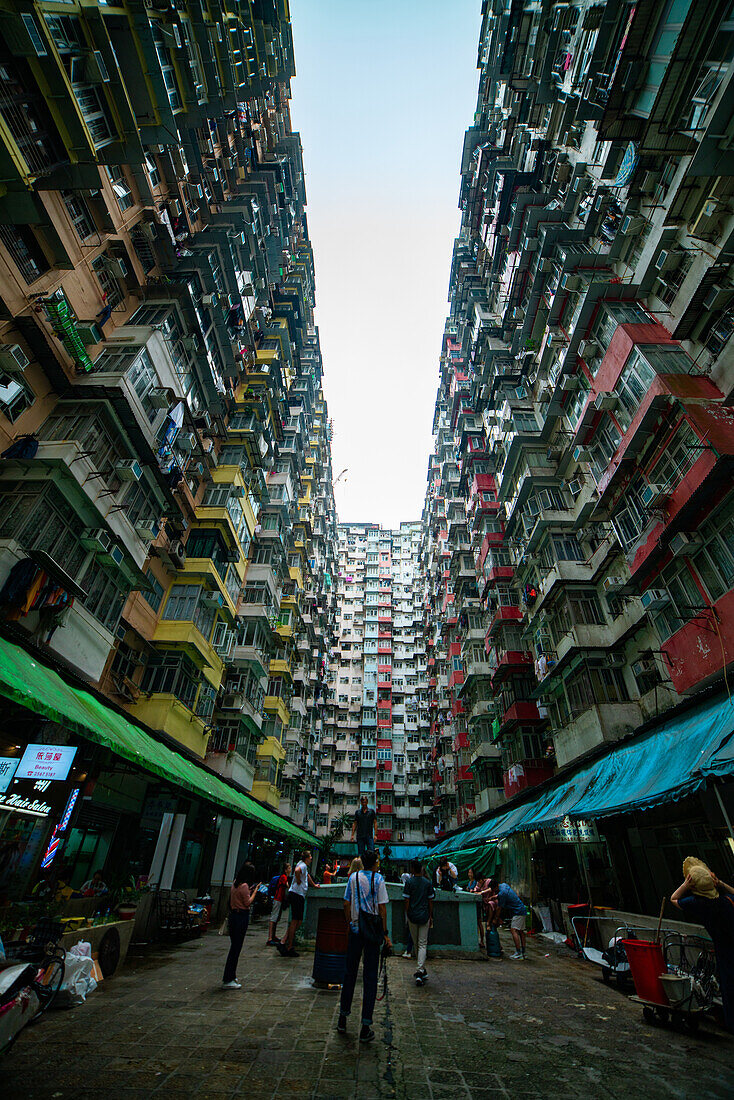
(78, 981)
(81, 950)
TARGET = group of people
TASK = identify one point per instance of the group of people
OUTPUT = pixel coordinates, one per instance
(497, 902)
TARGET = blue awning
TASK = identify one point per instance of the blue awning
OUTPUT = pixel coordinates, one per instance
(666, 763)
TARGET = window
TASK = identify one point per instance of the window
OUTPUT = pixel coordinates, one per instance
(679, 455)
(94, 112)
(154, 598)
(108, 281)
(152, 168)
(167, 70)
(120, 186)
(78, 212)
(105, 598)
(25, 251)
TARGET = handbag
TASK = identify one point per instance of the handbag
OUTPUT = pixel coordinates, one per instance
(370, 924)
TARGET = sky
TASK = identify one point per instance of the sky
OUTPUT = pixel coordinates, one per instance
(383, 93)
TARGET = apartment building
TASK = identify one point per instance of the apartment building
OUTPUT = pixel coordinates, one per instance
(577, 528)
(167, 530)
(377, 721)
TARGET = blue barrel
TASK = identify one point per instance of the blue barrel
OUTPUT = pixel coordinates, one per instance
(328, 969)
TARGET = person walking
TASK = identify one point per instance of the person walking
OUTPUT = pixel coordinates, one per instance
(512, 906)
(241, 897)
(363, 827)
(474, 886)
(705, 899)
(297, 903)
(365, 897)
(279, 895)
(446, 875)
(419, 894)
(408, 953)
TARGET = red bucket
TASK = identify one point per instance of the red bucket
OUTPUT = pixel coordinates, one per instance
(647, 964)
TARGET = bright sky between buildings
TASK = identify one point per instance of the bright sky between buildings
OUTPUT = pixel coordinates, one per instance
(383, 94)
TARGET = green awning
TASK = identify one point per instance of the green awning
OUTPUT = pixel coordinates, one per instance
(31, 684)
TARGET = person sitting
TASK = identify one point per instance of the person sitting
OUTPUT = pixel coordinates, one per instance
(446, 875)
(94, 886)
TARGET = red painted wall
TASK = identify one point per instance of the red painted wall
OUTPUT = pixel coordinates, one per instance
(697, 650)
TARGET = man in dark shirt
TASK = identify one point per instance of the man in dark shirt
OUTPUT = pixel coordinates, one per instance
(418, 894)
(363, 827)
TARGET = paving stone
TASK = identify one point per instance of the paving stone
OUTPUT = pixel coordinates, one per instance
(163, 1028)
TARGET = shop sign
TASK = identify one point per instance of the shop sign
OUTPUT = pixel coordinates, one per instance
(46, 762)
(571, 832)
(37, 797)
(8, 764)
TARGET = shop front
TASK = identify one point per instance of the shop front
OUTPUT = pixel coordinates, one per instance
(97, 813)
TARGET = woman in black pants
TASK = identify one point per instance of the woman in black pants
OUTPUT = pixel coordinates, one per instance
(241, 897)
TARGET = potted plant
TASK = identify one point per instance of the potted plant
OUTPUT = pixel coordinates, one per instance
(127, 898)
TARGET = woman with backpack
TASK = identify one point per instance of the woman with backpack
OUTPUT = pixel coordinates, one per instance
(278, 894)
(241, 897)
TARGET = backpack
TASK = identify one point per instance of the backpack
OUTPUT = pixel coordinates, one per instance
(272, 886)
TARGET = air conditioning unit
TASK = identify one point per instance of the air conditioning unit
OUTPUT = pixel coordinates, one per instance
(613, 584)
(575, 486)
(582, 454)
(642, 666)
(95, 538)
(95, 69)
(683, 543)
(571, 282)
(531, 244)
(189, 343)
(114, 556)
(129, 470)
(158, 397)
(655, 599)
(13, 360)
(117, 266)
(667, 260)
(631, 224)
(213, 599)
(208, 299)
(570, 382)
(146, 530)
(717, 297)
(588, 349)
(177, 553)
(606, 401)
(654, 494)
(187, 441)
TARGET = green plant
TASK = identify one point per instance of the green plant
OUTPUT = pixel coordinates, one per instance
(336, 832)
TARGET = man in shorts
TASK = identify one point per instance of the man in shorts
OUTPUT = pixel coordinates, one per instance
(511, 906)
(297, 899)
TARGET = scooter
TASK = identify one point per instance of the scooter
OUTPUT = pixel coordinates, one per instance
(19, 1002)
(27, 990)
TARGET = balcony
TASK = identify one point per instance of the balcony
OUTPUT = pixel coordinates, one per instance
(526, 773)
(600, 723)
(510, 661)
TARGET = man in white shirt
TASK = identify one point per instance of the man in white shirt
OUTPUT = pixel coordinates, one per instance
(297, 901)
(366, 892)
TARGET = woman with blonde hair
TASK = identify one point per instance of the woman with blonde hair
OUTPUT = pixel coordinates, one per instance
(356, 865)
(705, 899)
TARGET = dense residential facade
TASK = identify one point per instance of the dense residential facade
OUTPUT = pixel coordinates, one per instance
(376, 721)
(167, 523)
(578, 521)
